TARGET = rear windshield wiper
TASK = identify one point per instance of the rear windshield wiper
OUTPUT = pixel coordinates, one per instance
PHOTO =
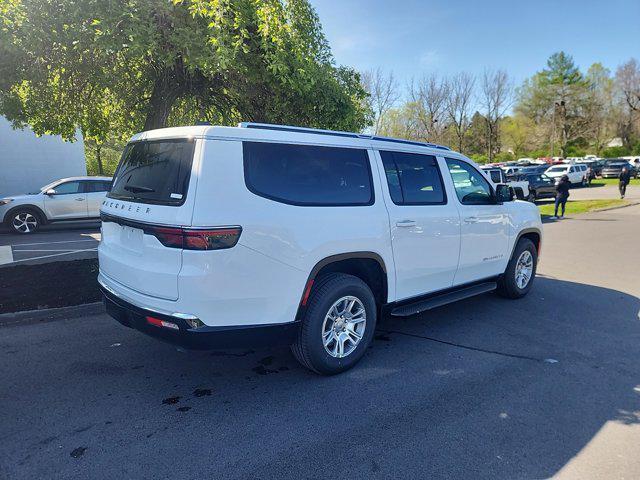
(138, 189)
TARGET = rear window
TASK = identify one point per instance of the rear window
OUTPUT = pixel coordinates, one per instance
(155, 172)
(413, 179)
(308, 175)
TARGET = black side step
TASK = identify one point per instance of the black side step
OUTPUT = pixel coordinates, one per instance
(443, 299)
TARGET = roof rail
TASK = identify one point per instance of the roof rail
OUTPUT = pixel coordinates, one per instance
(318, 131)
(287, 128)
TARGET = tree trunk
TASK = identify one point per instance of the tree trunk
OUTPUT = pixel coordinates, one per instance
(168, 87)
(99, 159)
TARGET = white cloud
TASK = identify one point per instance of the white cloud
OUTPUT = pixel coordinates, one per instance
(429, 58)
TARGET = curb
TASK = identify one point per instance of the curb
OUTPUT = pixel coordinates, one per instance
(606, 209)
(49, 314)
(630, 204)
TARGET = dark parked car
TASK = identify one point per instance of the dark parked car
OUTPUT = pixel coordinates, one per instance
(596, 166)
(540, 186)
(536, 169)
(613, 167)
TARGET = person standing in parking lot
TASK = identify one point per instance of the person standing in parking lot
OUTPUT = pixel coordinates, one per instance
(625, 178)
(562, 194)
(590, 175)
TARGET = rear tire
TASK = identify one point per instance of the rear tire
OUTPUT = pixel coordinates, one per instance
(327, 324)
(520, 272)
(24, 221)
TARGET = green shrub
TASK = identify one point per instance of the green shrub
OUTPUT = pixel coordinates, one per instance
(613, 152)
(479, 158)
(504, 157)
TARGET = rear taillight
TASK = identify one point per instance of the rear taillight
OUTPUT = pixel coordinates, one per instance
(196, 239)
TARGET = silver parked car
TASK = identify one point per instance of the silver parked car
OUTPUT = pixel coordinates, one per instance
(67, 199)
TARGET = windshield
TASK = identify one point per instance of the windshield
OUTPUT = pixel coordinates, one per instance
(155, 171)
(557, 169)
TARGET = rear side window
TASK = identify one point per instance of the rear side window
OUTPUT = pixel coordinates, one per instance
(413, 179)
(495, 176)
(308, 175)
(94, 186)
(155, 172)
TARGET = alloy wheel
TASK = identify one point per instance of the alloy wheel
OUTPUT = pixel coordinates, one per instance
(524, 269)
(25, 222)
(344, 326)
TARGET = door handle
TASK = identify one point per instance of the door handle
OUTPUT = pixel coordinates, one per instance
(471, 220)
(79, 199)
(406, 223)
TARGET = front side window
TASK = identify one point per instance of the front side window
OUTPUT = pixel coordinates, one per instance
(156, 171)
(67, 188)
(414, 179)
(470, 185)
(308, 175)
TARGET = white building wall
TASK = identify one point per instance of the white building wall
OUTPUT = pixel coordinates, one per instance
(28, 162)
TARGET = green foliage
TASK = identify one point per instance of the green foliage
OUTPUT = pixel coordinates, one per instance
(109, 155)
(479, 158)
(538, 153)
(120, 66)
(504, 157)
(575, 151)
(613, 152)
(558, 96)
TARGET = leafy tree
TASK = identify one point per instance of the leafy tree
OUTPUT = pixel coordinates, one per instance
(476, 139)
(518, 133)
(114, 67)
(559, 97)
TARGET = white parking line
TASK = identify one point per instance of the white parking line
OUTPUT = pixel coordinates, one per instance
(56, 255)
(15, 250)
(47, 243)
(6, 255)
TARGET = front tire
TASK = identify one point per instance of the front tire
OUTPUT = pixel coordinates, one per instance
(338, 324)
(520, 272)
(24, 221)
(532, 196)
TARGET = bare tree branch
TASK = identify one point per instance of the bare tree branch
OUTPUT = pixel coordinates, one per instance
(383, 93)
(459, 103)
(430, 94)
(496, 99)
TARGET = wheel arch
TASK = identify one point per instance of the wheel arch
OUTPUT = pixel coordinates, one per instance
(34, 208)
(368, 266)
(533, 234)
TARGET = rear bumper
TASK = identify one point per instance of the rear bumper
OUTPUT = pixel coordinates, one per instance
(201, 338)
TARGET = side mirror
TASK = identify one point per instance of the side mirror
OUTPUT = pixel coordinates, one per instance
(50, 192)
(504, 193)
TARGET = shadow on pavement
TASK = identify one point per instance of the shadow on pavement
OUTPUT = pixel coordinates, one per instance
(485, 388)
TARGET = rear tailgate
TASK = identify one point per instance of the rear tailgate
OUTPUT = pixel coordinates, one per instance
(153, 188)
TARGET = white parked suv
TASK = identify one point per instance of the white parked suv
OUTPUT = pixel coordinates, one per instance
(67, 199)
(577, 173)
(263, 234)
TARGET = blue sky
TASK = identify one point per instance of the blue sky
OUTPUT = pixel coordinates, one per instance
(412, 37)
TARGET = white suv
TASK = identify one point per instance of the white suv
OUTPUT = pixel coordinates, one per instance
(577, 173)
(263, 234)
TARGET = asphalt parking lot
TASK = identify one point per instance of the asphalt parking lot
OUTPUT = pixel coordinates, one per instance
(52, 243)
(548, 386)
